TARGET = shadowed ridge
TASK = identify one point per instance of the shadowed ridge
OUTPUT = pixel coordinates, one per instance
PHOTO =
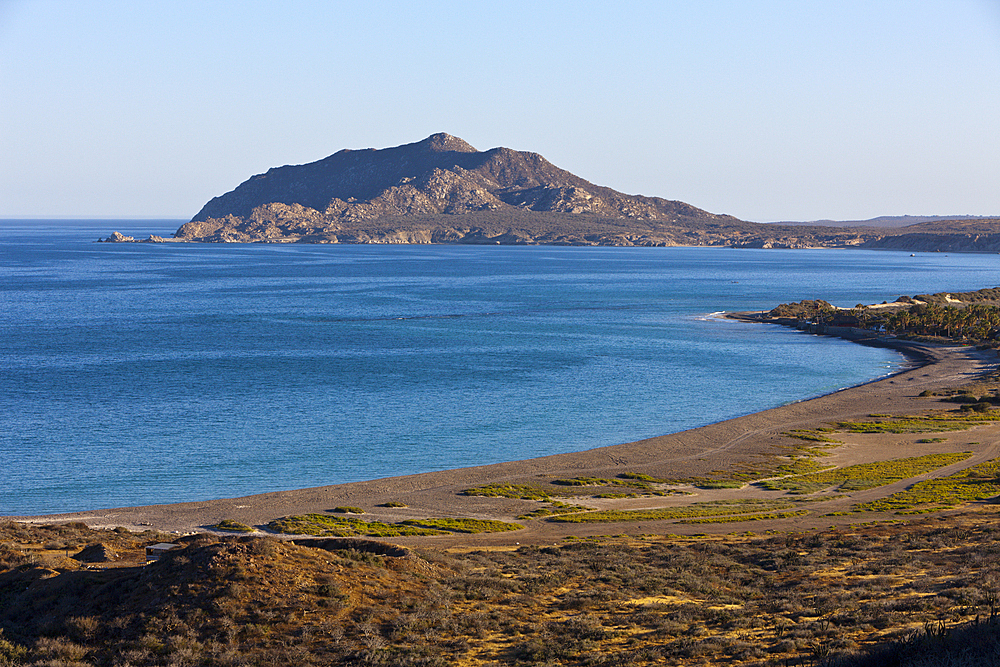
(347, 176)
(426, 192)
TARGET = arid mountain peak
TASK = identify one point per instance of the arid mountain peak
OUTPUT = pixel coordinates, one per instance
(349, 193)
(442, 142)
(443, 190)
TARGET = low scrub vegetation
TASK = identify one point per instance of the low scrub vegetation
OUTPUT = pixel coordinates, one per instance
(865, 475)
(321, 525)
(347, 510)
(932, 422)
(515, 491)
(922, 591)
(464, 525)
(979, 482)
(232, 526)
(764, 516)
(968, 316)
(554, 508)
(715, 508)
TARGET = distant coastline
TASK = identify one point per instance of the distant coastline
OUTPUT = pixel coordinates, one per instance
(543, 231)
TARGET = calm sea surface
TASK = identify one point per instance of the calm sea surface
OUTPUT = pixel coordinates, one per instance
(140, 373)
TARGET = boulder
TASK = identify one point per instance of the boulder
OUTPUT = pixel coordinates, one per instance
(118, 237)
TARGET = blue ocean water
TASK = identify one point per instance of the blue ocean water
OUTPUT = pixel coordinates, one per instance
(151, 373)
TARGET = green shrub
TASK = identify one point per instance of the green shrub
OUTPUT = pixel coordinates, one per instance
(464, 525)
(553, 509)
(10, 653)
(330, 526)
(864, 475)
(976, 483)
(961, 398)
(586, 481)
(713, 508)
(348, 510)
(946, 421)
(810, 435)
(232, 526)
(747, 517)
(642, 478)
(514, 491)
(720, 484)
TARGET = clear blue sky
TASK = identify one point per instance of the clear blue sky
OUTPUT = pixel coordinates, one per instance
(763, 109)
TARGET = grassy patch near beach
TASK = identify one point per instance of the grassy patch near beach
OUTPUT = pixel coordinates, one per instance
(514, 491)
(936, 422)
(980, 482)
(322, 525)
(764, 516)
(715, 508)
(348, 510)
(811, 434)
(626, 485)
(464, 525)
(643, 484)
(232, 526)
(864, 475)
(554, 508)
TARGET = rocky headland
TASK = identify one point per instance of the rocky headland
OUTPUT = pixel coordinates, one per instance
(442, 190)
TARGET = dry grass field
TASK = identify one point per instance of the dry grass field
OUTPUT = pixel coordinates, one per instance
(925, 591)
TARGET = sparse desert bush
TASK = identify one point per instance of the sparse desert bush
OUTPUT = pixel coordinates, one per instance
(744, 600)
(928, 423)
(322, 525)
(865, 475)
(554, 508)
(464, 525)
(717, 508)
(515, 491)
(232, 526)
(976, 483)
(720, 484)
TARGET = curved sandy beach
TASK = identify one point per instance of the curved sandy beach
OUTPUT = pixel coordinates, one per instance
(688, 453)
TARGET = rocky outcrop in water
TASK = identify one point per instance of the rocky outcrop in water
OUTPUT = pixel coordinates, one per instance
(118, 237)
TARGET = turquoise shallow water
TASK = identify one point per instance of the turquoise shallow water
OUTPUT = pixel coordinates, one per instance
(140, 373)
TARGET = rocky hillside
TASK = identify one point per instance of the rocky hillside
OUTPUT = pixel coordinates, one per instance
(442, 190)
(425, 192)
(978, 235)
(923, 592)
